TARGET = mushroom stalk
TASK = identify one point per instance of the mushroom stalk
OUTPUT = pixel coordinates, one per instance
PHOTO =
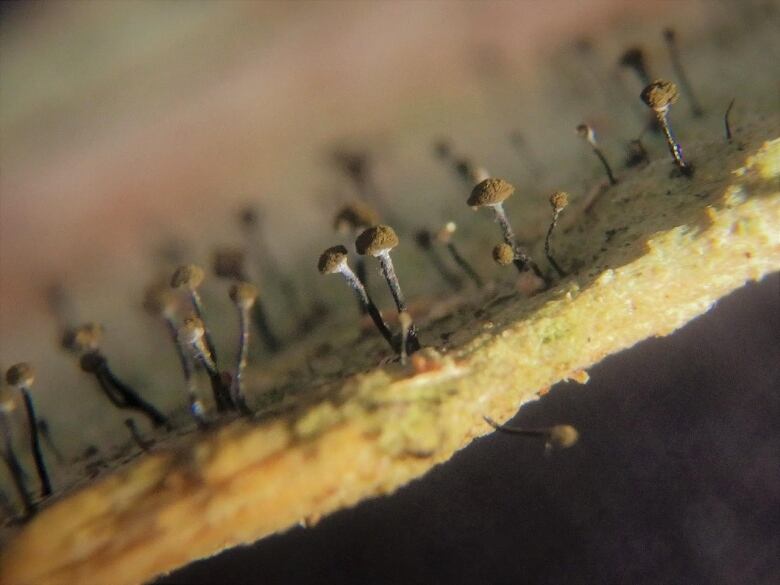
(360, 291)
(15, 469)
(35, 443)
(388, 271)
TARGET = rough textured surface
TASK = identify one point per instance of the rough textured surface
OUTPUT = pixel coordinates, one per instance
(646, 256)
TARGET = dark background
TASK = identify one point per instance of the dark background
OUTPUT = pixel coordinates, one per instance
(675, 480)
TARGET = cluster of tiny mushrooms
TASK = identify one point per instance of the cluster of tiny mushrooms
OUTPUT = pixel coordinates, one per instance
(192, 338)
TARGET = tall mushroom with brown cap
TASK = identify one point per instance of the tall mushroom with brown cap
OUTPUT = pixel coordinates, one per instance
(659, 97)
(377, 241)
(21, 376)
(243, 295)
(192, 336)
(160, 301)
(334, 260)
(189, 277)
(492, 193)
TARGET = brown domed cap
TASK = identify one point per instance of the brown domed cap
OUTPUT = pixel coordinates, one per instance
(559, 200)
(376, 240)
(503, 254)
(160, 300)
(21, 374)
(660, 94)
(562, 437)
(229, 263)
(355, 216)
(7, 400)
(332, 259)
(490, 192)
(586, 132)
(83, 338)
(444, 235)
(191, 330)
(188, 276)
(243, 294)
(633, 57)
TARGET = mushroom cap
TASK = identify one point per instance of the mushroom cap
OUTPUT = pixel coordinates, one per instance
(559, 200)
(562, 437)
(355, 216)
(7, 400)
(423, 238)
(503, 254)
(376, 240)
(229, 263)
(191, 330)
(490, 192)
(243, 294)
(249, 217)
(444, 235)
(586, 132)
(159, 300)
(83, 338)
(21, 374)
(332, 259)
(633, 57)
(660, 94)
(188, 276)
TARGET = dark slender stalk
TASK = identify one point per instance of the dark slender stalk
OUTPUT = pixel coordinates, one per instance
(119, 393)
(674, 146)
(136, 435)
(43, 428)
(726, 121)
(197, 304)
(464, 264)
(388, 271)
(243, 357)
(362, 295)
(35, 444)
(561, 272)
(260, 319)
(15, 469)
(607, 168)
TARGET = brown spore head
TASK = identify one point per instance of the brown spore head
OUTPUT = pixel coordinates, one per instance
(660, 94)
(376, 240)
(159, 300)
(7, 400)
(229, 263)
(248, 217)
(586, 132)
(503, 254)
(188, 276)
(21, 375)
(562, 437)
(191, 330)
(423, 238)
(355, 216)
(332, 259)
(490, 192)
(445, 234)
(633, 57)
(559, 200)
(243, 294)
(83, 338)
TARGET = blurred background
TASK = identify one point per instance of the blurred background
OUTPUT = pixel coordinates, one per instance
(131, 133)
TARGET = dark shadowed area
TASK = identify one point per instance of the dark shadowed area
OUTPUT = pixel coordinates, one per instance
(675, 480)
